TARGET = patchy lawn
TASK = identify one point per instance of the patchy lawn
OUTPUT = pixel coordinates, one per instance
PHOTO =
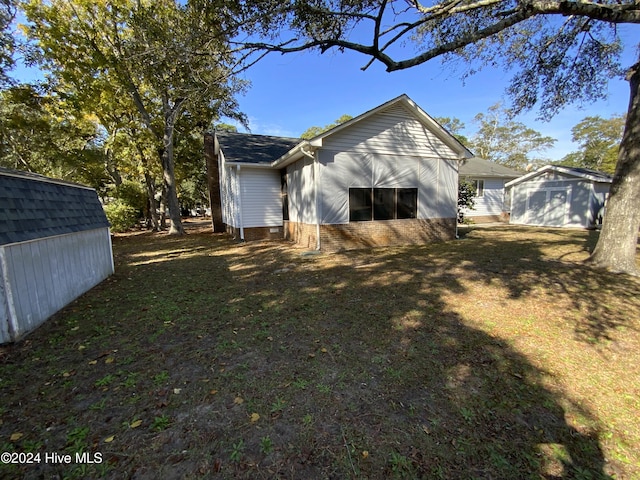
(495, 356)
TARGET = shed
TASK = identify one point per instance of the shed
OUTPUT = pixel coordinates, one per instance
(557, 196)
(492, 203)
(386, 177)
(55, 244)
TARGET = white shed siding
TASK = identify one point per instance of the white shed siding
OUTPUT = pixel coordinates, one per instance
(41, 276)
(394, 131)
(261, 198)
(492, 200)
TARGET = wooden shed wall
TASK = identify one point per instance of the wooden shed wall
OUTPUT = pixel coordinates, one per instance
(39, 277)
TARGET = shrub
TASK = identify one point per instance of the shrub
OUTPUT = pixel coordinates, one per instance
(466, 198)
(121, 215)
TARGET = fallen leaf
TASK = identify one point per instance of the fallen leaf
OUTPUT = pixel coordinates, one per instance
(365, 454)
(213, 392)
(109, 360)
(135, 424)
(177, 391)
(109, 439)
(238, 400)
(93, 362)
(323, 350)
(16, 436)
(255, 417)
(81, 347)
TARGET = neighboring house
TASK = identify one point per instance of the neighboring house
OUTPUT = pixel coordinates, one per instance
(556, 196)
(489, 178)
(386, 177)
(55, 245)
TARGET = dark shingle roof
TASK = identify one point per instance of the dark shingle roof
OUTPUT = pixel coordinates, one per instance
(33, 206)
(479, 167)
(249, 148)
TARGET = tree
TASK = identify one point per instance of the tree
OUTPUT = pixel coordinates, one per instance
(159, 54)
(315, 131)
(454, 126)
(560, 52)
(7, 42)
(599, 141)
(36, 136)
(505, 141)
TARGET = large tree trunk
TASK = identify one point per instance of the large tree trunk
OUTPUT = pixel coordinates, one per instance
(170, 115)
(616, 248)
(153, 203)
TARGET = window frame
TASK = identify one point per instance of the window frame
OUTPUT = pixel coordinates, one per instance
(388, 199)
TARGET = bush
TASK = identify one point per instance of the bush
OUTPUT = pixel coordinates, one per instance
(121, 215)
(466, 198)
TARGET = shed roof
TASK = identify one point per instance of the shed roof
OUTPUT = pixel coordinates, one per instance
(33, 206)
(249, 148)
(479, 167)
(577, 172)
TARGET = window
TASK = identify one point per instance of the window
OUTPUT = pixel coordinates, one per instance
(359, 204)
(407, 203)
(366, 204)
(479, 184)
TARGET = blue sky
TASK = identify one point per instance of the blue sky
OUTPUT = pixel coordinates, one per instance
(292, 92)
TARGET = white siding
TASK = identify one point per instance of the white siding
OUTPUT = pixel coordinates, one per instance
(301, 188)
(42, 276)
(436, 180)
(229, 196)
(393, 131)
(492, 200)
(261, 199)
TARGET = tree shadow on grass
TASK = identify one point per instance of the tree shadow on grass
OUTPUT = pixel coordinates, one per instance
(267, 364)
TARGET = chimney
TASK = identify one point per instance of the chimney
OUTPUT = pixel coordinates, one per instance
(213, 181)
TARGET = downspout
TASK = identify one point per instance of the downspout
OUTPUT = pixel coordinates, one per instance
(316, 182)
(240, 217)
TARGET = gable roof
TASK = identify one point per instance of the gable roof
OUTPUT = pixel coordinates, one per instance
(440, 132)
(251, 149)
(33, 206)
(278, 152)
(480, 168)
(577, 172)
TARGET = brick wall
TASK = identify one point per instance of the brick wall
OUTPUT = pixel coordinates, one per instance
(256, 233)
(372, 234)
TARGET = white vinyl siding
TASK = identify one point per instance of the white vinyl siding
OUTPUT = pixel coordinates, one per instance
(300, 182)
(436, 180)
(393, 131)
(229, 194)
(261, 199)
(491, 202)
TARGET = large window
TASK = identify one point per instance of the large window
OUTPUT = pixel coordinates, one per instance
(366, 204)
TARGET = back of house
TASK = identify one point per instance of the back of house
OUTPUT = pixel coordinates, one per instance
(386, 177)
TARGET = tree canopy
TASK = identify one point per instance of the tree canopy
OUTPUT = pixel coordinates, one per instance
(558, 51)
(156, 60)
(599, 141)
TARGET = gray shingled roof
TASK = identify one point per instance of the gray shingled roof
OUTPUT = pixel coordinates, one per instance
(479, 167)
(249, 148)
(33, 206)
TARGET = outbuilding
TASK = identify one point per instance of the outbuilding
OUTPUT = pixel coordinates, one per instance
(55, 244)
(557, 196)
(386, 177)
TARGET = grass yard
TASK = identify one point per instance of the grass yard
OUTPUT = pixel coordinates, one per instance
(496, 356)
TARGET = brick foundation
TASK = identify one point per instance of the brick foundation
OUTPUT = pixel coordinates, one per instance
(356, 235)
(256, 233)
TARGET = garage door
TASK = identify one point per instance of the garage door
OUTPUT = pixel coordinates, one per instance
(548, 207)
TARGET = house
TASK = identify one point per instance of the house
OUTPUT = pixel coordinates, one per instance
(556, 196)
(386, 177)
(55, 245)
(489, 178)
